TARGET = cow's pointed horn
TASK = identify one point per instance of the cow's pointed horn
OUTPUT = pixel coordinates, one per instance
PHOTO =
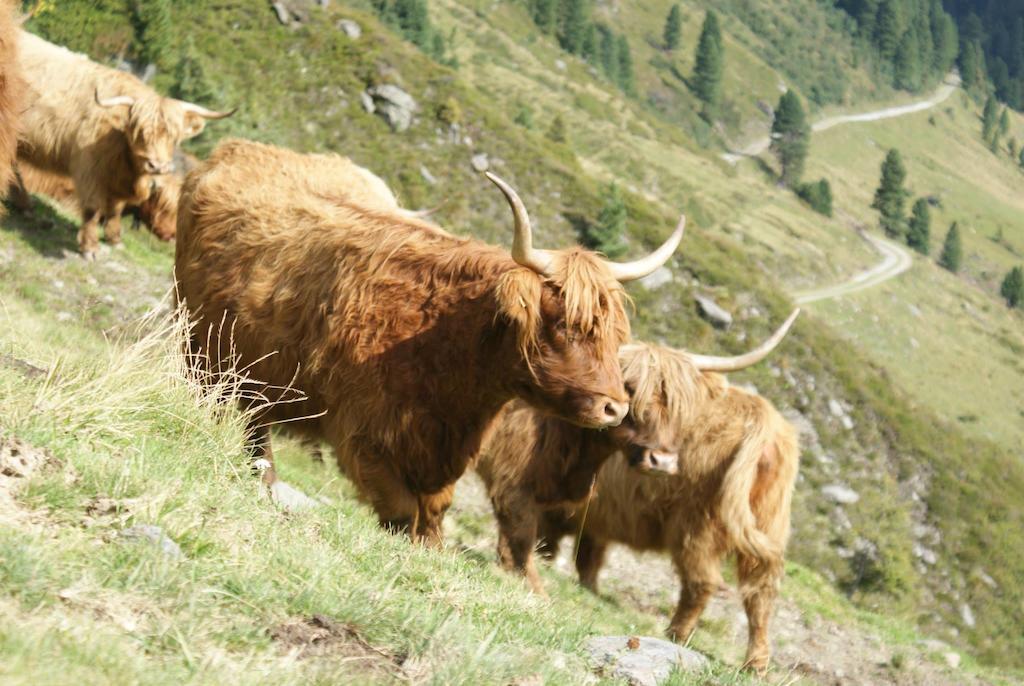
(630, 271)
(523, 251)
(709, 363)
(114, 101)
(204, 112)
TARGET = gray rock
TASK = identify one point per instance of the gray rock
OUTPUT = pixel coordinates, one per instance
(350, 28)
(367, 102)
(560, 65)
(656, 279)
(290, 498)
(842, 495)
(647, 663)
(713, 312)
(952, 659)
(155, 535)
(427, 176)
(480, 162)
(846, 422)
(967, 615)
(282, 13)
(395, 105)
(835, 408)
(926, 555)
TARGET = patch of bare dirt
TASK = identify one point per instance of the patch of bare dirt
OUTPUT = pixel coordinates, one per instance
(321, 637)
(18, 461)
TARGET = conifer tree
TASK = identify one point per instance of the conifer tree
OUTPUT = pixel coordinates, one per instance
(1004, 123)
(1011, 147)
(707, 74)
(156, 31)
(891, 196)
(673, 31)
(1012, 288)
(944, 37)
(989, 118)
(609, 54)
(952, 250)
(791, 137)
(606, 235)
(545, 15)
(557, 132)
(888, 28)
(591, 50)
(625, 57)
(574, 25)
(907, 63)
(920, 227)
(190, 80)
(1021, 159)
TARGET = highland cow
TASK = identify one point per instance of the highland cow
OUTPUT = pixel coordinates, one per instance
(405, 342)
(12, 92)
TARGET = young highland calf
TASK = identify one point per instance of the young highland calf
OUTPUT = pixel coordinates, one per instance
(113, 135)
(403, 341)
(737, 465)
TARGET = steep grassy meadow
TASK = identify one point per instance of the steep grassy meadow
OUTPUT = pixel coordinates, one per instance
(923, 477)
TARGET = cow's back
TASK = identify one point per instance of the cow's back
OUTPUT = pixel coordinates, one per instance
(11, 94)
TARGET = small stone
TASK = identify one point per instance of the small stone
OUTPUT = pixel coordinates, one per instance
(656, 279)
(427, 176)
(480, 162)
(967, 615)
(153, 534)
(713, 312)
(952, 659)
(560, 65)
(350, 28)
(846, 422)
(367, 102)
(842, 495)
(395, 105)
(282, 13)
(835, 408)
(648, 664)
(926, 555)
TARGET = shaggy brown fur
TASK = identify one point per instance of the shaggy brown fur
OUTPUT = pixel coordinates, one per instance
(159, 211)
(533, 463)
(738, 461)
(406, 341)
(12, 91)
(113, 154)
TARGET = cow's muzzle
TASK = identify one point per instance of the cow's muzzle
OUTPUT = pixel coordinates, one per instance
(158, 167)
(652, 461)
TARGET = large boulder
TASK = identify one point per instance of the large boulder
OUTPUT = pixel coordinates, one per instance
(713, 312)
(393, 104)
(640, 660)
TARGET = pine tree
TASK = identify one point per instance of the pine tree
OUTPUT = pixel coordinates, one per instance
(925, 45)
(891, 197)
(557, 132)
(625, 57)
(545, 15)
(574, 25)
(1012, 288)
(1011, 147)
(907, 63)
(156, 31)
(944, 37)
(888, 28)
(817, 195)
(952, 251)
(1004, 123)
(1021, 160)
(591, 49)
(606, 235)
(673, 28)
(190, 80)
(988, 118)
(791, 137)
(920, 228)
(609, 54)
(707, 74)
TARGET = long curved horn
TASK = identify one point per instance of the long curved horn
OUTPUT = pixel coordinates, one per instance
(203, 112)
(629, 271)
(710, 363)
(523, 251)
(114, 101)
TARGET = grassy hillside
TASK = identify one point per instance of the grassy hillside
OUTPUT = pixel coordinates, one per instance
(916, 471)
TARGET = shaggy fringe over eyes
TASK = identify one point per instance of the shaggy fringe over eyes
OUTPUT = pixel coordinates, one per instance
(663, 380)
(594, 300)
(147, 115)
(518, 295)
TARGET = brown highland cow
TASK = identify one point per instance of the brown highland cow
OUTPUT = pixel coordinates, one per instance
(404, 341)
(738, 462)
(12, 91)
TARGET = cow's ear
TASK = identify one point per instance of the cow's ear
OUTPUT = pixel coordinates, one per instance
(518, 295)
(194, 124)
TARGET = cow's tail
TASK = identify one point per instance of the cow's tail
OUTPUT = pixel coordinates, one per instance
(737, 486)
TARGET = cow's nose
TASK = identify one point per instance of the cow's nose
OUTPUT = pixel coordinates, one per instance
(614, 412)
(663, 462)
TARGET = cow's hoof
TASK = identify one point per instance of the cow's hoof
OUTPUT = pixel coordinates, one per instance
(89, 255)
(290, 498)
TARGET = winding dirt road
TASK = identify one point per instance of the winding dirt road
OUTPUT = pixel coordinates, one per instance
(895, 261)
(946, 89)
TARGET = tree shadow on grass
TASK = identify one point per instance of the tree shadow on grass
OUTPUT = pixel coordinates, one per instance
(46, 230)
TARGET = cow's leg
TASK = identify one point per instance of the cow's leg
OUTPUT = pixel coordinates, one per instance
(759, 585)
(698, 564)
(396, 506)
(20, 196)
(430, 519)
(550, 530)
(517, 536)
(112, 227)
(589, 560)
(88, 234)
